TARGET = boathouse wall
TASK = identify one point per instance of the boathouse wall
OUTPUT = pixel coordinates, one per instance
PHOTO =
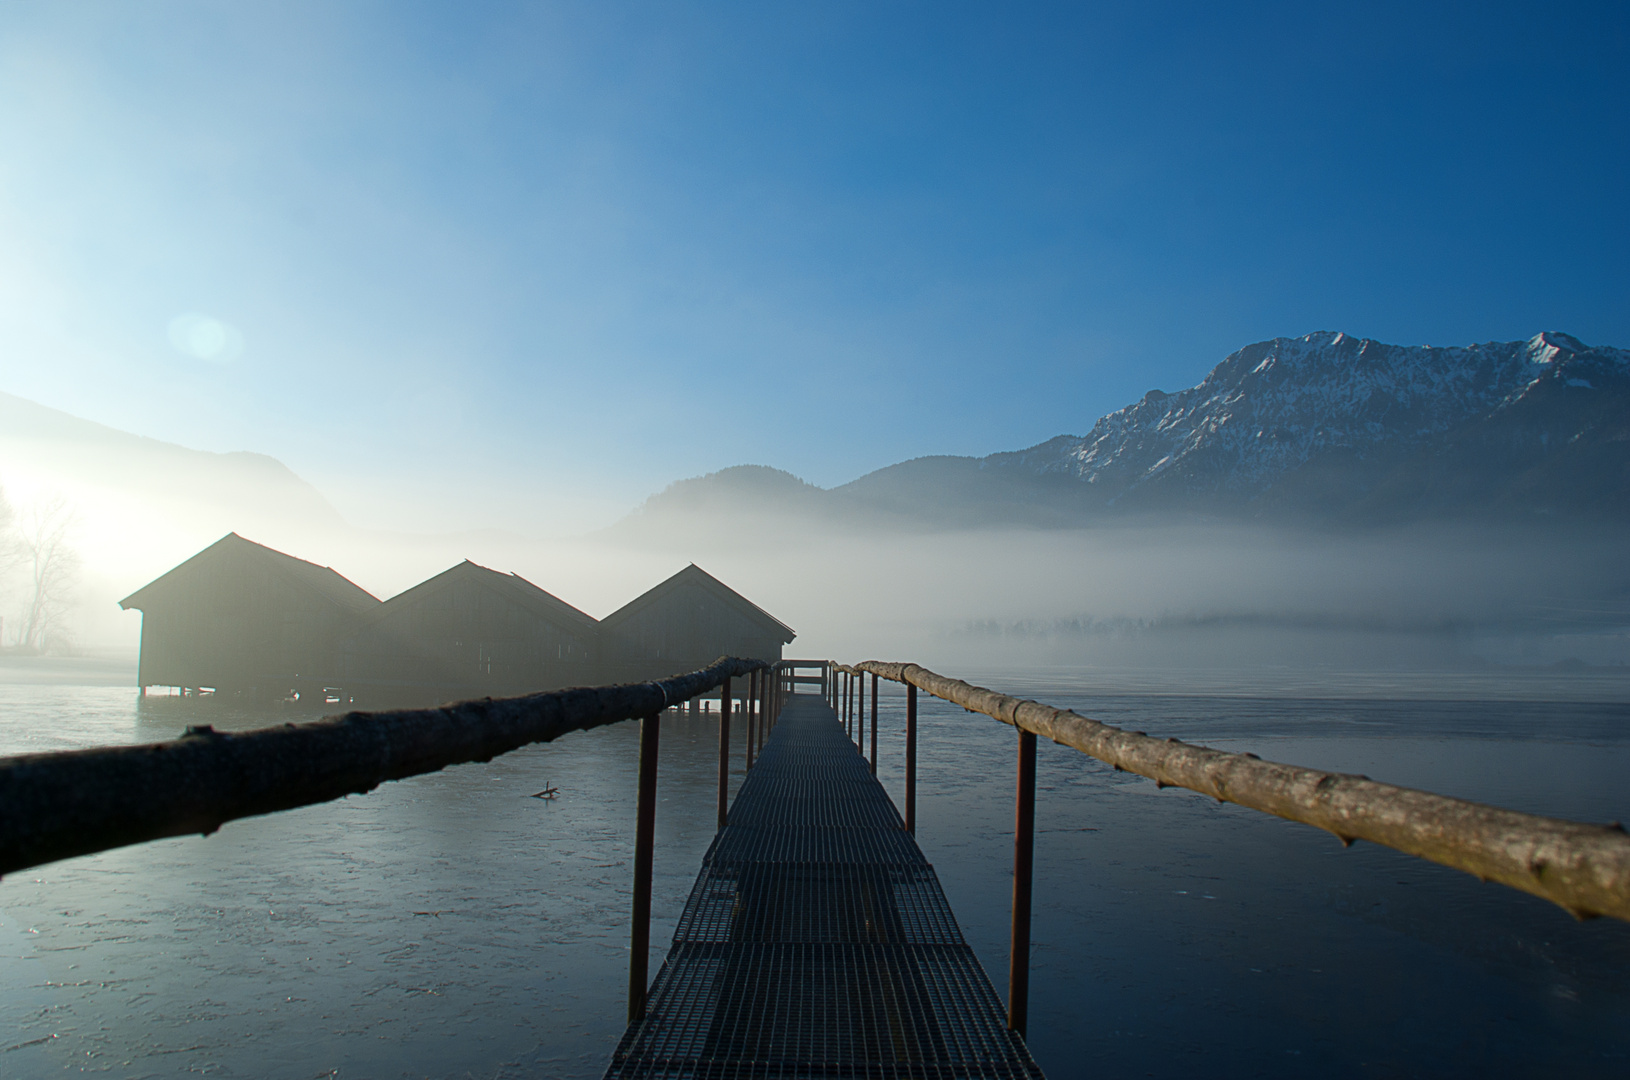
(686, 623)
(241, 618)
(469, 632)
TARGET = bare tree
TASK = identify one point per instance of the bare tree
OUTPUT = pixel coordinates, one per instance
(8, 542)
(9, 554)
(50, 569)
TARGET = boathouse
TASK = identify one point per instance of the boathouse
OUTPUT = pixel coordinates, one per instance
(243, 619)
(239, 618)
(685, 623)
(468, 632)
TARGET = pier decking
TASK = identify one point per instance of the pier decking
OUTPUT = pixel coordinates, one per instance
(817, 941)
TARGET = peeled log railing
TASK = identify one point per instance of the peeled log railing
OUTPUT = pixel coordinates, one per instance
(60, 805)
(1583, 868)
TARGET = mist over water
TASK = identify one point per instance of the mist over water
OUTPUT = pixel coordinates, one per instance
(1202, 599)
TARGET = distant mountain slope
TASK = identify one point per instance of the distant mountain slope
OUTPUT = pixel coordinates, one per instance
(242, 488)
(1323, 428)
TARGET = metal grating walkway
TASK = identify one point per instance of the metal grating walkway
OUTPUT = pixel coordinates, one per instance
(816, 941)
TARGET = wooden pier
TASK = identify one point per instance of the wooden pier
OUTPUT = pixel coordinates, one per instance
(817, 941)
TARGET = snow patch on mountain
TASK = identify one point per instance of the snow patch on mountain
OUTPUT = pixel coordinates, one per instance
(1271, 407)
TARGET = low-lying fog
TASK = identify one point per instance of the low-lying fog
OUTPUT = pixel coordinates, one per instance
(1184, 596)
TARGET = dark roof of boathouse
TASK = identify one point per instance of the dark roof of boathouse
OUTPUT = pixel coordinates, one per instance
(232, 552)
(512, 588)
(694, 576)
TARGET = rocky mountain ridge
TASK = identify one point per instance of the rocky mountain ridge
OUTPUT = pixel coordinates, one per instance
(1324, 428)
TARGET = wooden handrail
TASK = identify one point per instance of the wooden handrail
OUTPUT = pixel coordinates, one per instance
(59, 805)
(1583, 868)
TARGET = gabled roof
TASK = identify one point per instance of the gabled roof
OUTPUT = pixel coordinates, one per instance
(695, 576)
(512, 587)
(323, 580)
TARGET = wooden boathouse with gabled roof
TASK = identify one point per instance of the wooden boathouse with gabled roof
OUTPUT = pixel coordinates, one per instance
(686, 623)
(469, 632)
(241, 618)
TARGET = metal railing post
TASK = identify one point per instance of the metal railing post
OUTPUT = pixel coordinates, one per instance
(724, 750)
(874, 723)
(1024, 850)
(849, 702)
(911, 759)
(860, 699)
(645, 819)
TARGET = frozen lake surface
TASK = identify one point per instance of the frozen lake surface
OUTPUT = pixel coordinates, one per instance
(449, 926)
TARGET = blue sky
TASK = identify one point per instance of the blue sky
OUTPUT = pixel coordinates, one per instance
(524, 264)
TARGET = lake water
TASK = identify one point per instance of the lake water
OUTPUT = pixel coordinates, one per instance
(450, 926)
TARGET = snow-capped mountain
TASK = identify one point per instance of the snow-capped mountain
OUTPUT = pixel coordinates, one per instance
(1363, 416)
(1323, 428)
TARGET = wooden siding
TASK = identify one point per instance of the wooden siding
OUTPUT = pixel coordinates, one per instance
(467, 633)
(238, 622)
(688, 627)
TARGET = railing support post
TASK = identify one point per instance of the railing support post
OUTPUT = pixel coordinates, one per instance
(847, 718)
(724, 745)
(645, 819)
(860, 699)
(911, 759)
(874, 723)
(1024, 850)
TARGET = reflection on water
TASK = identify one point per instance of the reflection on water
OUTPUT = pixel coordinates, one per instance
(450, 926)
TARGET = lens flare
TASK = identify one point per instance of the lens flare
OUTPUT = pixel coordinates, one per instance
(204, 338)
